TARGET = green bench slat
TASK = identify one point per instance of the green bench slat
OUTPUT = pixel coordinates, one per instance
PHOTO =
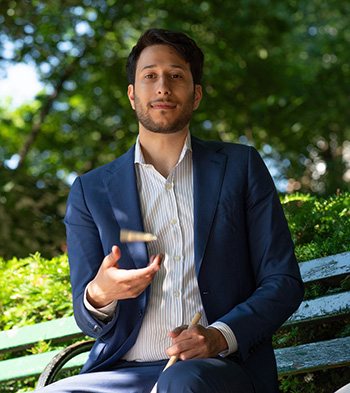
(326, 267)
(321, 308)
(314, 356)
(24, 337)
(34, 365)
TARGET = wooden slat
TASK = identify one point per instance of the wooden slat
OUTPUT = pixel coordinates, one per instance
(33, 365)
(314, 356)
(322, 308)
(24, 337)
(327, 267)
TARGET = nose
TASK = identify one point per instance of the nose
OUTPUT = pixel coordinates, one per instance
(163, 87)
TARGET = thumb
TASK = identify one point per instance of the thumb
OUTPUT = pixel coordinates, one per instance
(178, 330)
(111, 260)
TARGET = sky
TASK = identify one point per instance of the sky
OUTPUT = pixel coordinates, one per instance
(20, 83)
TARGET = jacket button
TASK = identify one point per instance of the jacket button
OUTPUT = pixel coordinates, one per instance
(97, 329)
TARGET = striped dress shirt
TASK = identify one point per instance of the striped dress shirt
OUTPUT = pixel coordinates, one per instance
(167, 211)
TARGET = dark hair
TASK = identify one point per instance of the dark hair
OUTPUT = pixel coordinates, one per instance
(184, 45)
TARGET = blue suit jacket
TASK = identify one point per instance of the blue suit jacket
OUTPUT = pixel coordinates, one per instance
(247, 273)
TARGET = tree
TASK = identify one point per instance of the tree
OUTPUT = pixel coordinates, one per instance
(276, 76)
(31, 211)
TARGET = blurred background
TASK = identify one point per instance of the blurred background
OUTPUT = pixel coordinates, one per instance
(276, 76)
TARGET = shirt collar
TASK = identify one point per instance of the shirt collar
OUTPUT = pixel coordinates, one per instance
(139, 159)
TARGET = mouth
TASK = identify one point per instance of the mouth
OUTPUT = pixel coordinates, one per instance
(163, 105)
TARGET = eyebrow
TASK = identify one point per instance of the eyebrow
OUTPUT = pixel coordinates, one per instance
(155, 65)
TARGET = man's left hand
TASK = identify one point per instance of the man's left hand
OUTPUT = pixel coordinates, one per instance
(196, 342)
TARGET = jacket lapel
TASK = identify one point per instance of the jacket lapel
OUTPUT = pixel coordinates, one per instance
(121, 185)
(208, 173)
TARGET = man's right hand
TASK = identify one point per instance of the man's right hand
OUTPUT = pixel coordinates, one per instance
(112, 283)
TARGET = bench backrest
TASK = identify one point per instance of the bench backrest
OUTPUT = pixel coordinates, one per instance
(22, 338)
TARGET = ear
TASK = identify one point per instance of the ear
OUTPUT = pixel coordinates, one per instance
(197, 96)
(131, 96)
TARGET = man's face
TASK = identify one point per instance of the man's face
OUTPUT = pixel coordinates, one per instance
(163, 96)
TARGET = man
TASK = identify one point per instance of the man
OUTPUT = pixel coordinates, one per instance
(223, 248)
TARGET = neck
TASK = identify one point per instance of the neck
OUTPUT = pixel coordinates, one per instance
(162, 150)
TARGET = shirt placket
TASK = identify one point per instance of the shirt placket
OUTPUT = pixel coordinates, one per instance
(175, 252)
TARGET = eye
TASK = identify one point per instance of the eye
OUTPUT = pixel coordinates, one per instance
(149, 76)
(176, 76)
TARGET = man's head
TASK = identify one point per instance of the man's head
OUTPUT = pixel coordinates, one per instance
(184, 45)
(164, 74)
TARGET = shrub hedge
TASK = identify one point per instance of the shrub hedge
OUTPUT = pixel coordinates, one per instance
(35, 289)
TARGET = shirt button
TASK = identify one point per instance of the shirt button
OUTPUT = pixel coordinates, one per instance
(173, 221)
(177, 258)
(97, 329)
(168, 186)
(176, 293)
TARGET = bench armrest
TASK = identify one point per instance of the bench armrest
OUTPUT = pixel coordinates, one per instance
(56, 364)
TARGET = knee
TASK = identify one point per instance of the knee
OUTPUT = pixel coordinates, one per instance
(205, 376)
(180, 378)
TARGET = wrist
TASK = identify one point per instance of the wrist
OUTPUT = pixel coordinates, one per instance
(95, 296)
(221, 342)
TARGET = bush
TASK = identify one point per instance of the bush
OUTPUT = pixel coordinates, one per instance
(319, 227)
(34, 290)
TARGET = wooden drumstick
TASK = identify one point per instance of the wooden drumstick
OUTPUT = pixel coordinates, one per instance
(127, 236)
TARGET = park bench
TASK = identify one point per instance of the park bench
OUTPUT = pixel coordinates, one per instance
(291, 360)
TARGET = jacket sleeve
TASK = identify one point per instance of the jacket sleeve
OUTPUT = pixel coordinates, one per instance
(85, 254)
(278, 286)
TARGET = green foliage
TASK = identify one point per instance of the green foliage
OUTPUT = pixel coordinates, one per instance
(31, 214)
(320, 382)
(292, 384)
(33, 290)
(319, 226)
(277, 76)
(286, 337)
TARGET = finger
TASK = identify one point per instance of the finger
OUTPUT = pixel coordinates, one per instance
(135, 278)
(177, 331)
(156, 259)
(193, 353)
(193, 335)
(188, 349)
(112, 258)
(149, 271)
(179, 348)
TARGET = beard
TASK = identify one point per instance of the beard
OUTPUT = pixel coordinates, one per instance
(163, 127)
